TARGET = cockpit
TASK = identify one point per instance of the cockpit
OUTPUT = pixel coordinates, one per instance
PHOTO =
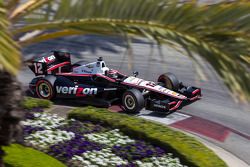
(98, 67)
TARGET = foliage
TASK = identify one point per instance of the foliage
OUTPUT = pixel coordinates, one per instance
(190, 151)
(218, 33)
(90, 144)
(9, 50)
(20, 156)
(30, 103)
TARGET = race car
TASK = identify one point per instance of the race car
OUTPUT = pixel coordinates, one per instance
(95, 83)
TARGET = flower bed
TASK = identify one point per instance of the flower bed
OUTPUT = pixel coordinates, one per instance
(190, 151)
(86, 144)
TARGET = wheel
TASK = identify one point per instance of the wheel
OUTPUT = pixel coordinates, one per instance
(169, 81)
(133, 101)
(44, 89)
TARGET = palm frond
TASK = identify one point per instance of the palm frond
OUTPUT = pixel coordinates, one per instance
(11, 4)
(9, 50)
(26, 8)
(47, 36)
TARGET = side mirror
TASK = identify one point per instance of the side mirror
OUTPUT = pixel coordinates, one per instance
(135, 73)
(100, 59)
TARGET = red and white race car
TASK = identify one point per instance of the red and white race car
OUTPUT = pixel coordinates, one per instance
(95, 83)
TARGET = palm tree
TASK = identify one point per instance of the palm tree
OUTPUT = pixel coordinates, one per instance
(218, 33)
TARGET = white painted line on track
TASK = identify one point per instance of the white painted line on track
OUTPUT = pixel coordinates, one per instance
(167, 120)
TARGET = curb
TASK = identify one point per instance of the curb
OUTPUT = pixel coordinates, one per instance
(230, 159)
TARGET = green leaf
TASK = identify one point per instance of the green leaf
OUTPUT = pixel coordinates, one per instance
(9, 50)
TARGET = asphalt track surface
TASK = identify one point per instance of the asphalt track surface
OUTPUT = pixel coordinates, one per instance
(216, 118)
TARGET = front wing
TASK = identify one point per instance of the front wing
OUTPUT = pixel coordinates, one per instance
(170, 105)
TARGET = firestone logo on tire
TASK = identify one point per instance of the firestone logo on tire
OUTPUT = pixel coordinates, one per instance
(79, 92)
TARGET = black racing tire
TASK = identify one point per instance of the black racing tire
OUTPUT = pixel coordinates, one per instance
(45, 90)
(133, 101)
(169, 81)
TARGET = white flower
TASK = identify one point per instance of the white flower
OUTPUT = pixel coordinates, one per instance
(164, 161)
(46, 138)
(110, 138)
(45, 120)
(104, 157)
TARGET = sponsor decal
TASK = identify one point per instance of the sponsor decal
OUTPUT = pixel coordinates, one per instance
(152, 86)
(160, 106)
(48, 59)
(79, 92)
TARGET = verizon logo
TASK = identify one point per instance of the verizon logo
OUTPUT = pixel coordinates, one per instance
(48, 59)
(75, 90)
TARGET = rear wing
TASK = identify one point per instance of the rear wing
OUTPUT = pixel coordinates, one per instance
(50, 63)
(38, 68)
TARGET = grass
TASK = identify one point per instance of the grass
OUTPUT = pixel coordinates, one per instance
(30, 103)
(190, 151)
(20, 156)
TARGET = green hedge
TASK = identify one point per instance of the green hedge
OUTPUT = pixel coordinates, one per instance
(20, 156)
(190, 151)
(30, 103)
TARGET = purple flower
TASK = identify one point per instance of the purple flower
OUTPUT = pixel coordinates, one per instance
(27, 130)
(76, 146)
(37, 110)
(127, 165)
(29, 114)
(137, 151)
(81, 128)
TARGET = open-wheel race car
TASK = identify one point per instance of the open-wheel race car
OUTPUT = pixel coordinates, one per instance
(95, 83)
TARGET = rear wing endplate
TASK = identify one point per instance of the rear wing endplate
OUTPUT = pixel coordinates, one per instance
(38, 68)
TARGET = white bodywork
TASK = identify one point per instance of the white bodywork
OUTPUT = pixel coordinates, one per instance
(149, 85)
(98, 67)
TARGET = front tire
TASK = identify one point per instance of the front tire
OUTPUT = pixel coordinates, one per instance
(133, 101)
(169, 81)
(44, 89)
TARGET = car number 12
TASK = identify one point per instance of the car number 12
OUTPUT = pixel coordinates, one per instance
(38, 68)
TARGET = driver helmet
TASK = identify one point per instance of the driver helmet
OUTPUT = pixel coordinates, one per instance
(112, 74)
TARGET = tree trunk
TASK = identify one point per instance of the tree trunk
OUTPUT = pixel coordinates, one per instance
(10, 110)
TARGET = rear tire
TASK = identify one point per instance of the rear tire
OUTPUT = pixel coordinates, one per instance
(44, 89)
(133, 101)
(169, 81)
